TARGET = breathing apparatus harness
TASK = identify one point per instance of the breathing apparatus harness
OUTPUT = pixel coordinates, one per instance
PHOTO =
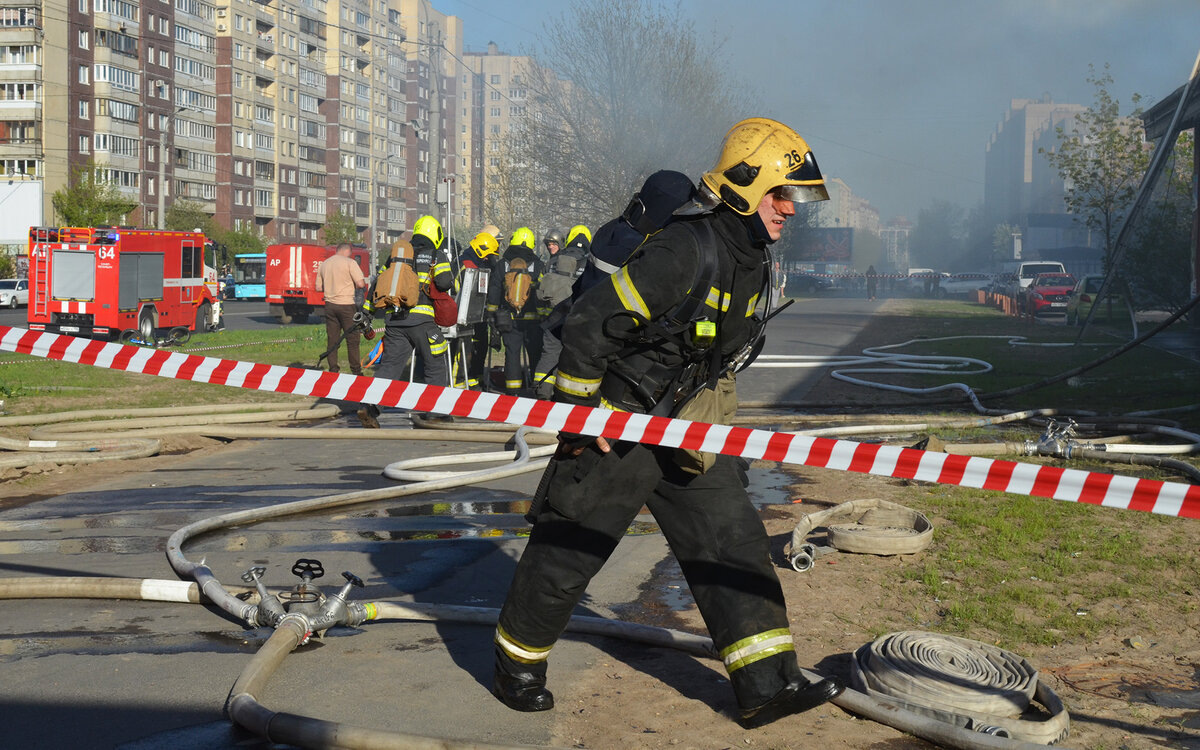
(662, 389)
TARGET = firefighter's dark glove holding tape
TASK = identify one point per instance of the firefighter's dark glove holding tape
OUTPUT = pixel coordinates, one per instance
(571, 444)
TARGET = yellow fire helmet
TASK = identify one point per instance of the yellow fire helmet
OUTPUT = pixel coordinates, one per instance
(485, 244)
(759, 155)
(523, 236)
(429, 228)
(577, 230)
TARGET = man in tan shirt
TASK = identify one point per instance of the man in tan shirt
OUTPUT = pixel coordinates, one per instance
(339, 278)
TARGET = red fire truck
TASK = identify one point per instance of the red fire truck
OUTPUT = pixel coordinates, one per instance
(292, 279)
(102, 281)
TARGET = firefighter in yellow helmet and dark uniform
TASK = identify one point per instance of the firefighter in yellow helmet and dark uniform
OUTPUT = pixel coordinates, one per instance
(512, 303)
(410, 331)
(664, 336)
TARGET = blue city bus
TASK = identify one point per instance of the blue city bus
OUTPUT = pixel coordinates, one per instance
(249, 276)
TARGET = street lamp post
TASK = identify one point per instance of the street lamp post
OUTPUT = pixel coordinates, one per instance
(161, 222)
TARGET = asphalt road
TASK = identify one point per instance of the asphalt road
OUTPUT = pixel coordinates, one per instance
(132, 674)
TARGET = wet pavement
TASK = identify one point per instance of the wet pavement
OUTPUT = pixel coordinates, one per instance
(134, 674)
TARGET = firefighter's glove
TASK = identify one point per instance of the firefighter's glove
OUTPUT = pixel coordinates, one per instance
(503, 321)
(571, 442)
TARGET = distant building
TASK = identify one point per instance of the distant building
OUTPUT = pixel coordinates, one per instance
(895, 242)
(845, 209)
(1021, 188)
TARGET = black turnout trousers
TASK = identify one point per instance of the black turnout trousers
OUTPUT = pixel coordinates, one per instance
(709, 522)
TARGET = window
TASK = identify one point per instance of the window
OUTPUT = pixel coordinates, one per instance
(84, 74)
(117, 145)
(84, 144)
(83, 109)
(84, 41)
(495, 112)
(29, 167)
(27, 92)
(495, 96)
(19, 54)
(495, 80)
(119, 8)
(121, 78)
(117, 110)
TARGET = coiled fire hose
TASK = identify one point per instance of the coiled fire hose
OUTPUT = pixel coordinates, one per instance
(961, 682)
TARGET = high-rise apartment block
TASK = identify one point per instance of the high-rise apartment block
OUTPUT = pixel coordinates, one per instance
(270, 115)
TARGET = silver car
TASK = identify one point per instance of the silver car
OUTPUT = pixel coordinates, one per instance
(14, 292)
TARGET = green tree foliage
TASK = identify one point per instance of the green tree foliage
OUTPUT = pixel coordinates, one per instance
(339, 228)
(620, 90)
(89, 200)
(247, 239)
(1157, 258)
(8, 265)
(187, 216)
(937, 239)
(1102, 159)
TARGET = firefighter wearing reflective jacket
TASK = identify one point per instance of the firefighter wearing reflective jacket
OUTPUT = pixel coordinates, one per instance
(594, 488)
(412, 329)
(554, 292)
(512, 303)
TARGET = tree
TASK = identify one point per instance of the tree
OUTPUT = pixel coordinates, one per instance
(340, 227)
(90, 200)
(937, 239)
(1158, 248)
(619, 90)
(1101, 159)
(243, 240)
(187, 216)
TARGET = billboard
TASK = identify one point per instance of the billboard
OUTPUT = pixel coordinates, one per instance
(823, 245)
(20, 209)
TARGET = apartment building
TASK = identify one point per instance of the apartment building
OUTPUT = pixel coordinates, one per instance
(496, 99)
(269, 115)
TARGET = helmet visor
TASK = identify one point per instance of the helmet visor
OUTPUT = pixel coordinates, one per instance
(802, 193)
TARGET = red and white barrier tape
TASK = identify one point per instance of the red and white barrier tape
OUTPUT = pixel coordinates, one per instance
(1166, 498)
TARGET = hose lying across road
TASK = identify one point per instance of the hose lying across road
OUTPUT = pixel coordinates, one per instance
(242, 705)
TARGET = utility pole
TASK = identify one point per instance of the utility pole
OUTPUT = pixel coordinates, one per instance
(435, 116)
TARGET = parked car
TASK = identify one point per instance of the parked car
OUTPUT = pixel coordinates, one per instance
(1030, 269)
(805, 283)
(14, 292)
(922, 282)
(1049, 293)
(962, 283)
(1083, 297)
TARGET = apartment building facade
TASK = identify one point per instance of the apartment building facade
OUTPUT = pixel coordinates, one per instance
(268, 115)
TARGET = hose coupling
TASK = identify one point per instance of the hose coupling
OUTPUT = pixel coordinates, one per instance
(301, 623)
(993, 730)
(802, 558)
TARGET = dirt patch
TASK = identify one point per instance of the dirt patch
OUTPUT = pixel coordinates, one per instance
(1144, 695)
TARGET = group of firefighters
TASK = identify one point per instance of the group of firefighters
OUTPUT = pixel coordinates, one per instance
(658, 319)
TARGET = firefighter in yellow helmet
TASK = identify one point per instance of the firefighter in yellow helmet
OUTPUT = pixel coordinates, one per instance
(478, 260)
(411, 330)
(512, 304)
(664, 335)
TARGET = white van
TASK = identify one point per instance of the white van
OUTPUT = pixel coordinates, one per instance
(1029, 270)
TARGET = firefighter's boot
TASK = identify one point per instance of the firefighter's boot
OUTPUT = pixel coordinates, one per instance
(797, 696)
(521, 687)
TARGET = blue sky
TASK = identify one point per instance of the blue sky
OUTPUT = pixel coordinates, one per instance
(898, 98)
